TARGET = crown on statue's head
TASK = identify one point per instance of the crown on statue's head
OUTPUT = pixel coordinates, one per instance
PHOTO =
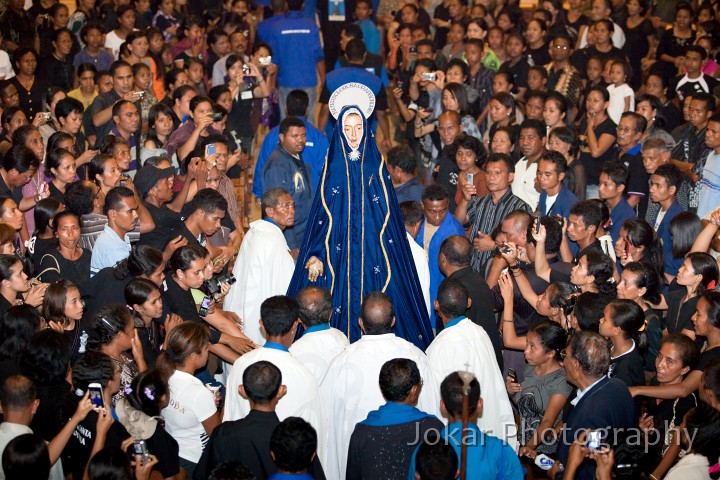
(355, 94)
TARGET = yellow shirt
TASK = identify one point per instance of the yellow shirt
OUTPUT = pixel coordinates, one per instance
(77, 95)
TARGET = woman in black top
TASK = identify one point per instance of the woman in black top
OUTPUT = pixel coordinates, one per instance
(139, 413)
(596, 136)
(60, 165)
(67, 260)
(246, 83)
(30, 88)
(640, 283)
(17, 326)
(63, 309)
(675, 359)
(621, 322)
(43, 241)
(143, 298)
(697, 274)
(707, 324)
(14, 286)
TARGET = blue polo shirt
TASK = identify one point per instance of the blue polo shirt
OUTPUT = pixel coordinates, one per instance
(295, 42)
(316, 149)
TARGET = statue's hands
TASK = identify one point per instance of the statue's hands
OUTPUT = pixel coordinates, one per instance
(315, 268)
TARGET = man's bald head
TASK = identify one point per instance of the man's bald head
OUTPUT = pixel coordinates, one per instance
(457, 250)
(315, 305)
(377, 314)
(450, 115)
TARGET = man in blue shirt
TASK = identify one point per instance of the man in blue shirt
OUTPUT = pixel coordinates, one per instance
(355, 54)
(555, 198)
(285, 168)
(664, 184)
(370, 31)
(316, 146)
(401, 163)
(488, 457)
(298, 53)
(613, 181)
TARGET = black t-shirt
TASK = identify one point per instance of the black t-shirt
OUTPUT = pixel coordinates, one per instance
(539, 56)
(707, 357)
(77, 339)
(77, 271)
(518, 73)
(594, 165)
(166, 449)
(105, 288)
(447, 174)
(38, 248)
(182, 303)
(679, 314)
(167, 224)
(56, 193)
(77, 451)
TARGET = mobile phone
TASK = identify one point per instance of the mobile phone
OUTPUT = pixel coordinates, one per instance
(246, 69)
(400, 84)
(123, 180)
(594, 439)
(537, 223)
(428, 76)
(396, 36)
(140, 95)
(47, 116)
(216, 116)
(140, 448)
(96, 396)
(412, 49)
(512, 374)
(205, 306)
(209, 149)
(470, 177)
(265, 61)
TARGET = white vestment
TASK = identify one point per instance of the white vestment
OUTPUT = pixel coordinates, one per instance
(263, 269)
(316, 349)
(351, 389)
(466, 346)
(423, 269)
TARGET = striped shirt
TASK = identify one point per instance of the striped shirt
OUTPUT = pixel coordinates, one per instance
(486, 216)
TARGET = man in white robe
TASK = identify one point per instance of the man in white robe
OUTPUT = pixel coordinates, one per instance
(264, 266)
(350, 389)
(279, 323)
(320, 342)
(464, 345)
(413, 216)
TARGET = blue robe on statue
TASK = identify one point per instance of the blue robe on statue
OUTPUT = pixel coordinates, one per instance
(356, 229)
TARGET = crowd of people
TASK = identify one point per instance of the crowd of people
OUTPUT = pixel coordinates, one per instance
(557, 171)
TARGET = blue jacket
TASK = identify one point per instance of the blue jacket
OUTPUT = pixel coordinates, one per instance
(284, 170)
(622, 211)
(563, 203)
(607, 405)
(314, 155)
(295, 42)
(449, 227)
(672, 265)
(488, 457)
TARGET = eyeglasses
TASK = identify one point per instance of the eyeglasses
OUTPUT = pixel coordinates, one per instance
(561, 47)
(624, 129)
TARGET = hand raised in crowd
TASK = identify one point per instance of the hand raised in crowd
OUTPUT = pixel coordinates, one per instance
(133, 96)
(86, 157)
(144, 469)
(203, 122)
(172, 320)
(34, 297)
(469, 189)
(507, 289)
(173, 245)
(512, 386)
(241, 345)
(39, 119)
(84, 407)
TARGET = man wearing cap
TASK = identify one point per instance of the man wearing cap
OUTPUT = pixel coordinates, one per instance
(154, 185)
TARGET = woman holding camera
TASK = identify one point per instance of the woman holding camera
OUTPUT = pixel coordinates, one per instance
(189, 267)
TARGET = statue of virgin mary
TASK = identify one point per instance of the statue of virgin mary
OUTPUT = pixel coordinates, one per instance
(355, 241)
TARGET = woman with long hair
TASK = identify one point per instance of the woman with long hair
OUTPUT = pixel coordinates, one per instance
(104, 171)
(143, 298)
(186, 350)
(12, 118)
(640, 283)
(112, 331)
(544, 390)
(564, 141)
(14, 286)
(42, 240)
(62, 310)
(597, 136)
(698, 274)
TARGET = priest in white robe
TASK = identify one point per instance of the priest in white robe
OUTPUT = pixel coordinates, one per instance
(350, 389)
(413, 216)
(264, 266)
(464, 345)
(320, 342)
(280, 323)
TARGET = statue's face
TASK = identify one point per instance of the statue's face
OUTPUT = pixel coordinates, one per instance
(353, 129)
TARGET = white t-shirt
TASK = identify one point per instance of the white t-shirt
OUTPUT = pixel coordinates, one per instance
(6, 69)
(616, 106)
(113, 43)
(190, 404)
